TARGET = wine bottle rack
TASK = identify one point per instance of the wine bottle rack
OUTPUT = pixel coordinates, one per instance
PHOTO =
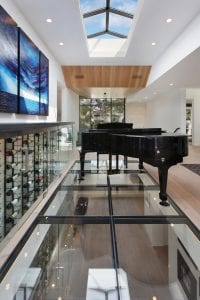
(1, 189)
(13, 178)
(29, 162)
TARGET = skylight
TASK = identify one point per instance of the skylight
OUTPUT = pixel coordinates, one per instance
(107, 20)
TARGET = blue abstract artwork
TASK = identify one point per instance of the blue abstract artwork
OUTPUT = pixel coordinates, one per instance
(8, 63)
(29, 78)
(44, 85)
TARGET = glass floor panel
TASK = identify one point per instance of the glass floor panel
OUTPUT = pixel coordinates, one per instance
(79, 203)
(97, 241)
(56, 261)
(161, 263)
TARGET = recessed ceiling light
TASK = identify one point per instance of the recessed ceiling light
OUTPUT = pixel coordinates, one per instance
(49, 20)
(171, 84)
(169, 20)
(61, 43)
(155, 93)
(153, 43)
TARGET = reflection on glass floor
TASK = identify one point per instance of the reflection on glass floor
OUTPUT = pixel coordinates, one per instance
(90, 246)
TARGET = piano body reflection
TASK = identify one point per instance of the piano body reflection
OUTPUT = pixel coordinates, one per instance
(149, 145)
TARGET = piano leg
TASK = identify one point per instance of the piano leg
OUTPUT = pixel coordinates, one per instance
(110, 163)
(141, 164)
(117, 163)
(82, 161)
(97, 160)
(163, 174)
(126, 161)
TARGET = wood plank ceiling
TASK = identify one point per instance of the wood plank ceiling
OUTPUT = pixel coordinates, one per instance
(83, 79)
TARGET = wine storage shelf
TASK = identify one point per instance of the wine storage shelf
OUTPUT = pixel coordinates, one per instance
(31, 157)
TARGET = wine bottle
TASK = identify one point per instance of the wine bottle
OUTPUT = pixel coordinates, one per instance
(25, 142)
(15, 201)
(39, 178)
(27, 173)
(27, 184)
(13, 178)
(11, 165)
(27, 205)
(27, 195)
(12, 191)
(10, 206)
(10, 220)
(14, 215)
(12, 152)
(27, 151)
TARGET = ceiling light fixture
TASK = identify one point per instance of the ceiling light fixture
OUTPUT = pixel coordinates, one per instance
(49, 20)
(61, 44)
(169, 20)
(153, 43)
(171, 84)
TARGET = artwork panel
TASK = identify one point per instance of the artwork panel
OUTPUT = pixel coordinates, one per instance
(44, 85)
(29, 76)
(8, 63)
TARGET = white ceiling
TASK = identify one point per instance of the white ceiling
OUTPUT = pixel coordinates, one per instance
(149, 26)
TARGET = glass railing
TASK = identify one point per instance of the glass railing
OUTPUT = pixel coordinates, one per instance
(106, 238)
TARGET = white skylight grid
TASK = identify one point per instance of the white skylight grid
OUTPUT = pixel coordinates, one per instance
(107, 24)
(103, 17)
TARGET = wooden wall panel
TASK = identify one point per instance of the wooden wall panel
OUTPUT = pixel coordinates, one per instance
(81, 78)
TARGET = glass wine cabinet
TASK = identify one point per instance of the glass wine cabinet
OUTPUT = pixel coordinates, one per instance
(31, 157)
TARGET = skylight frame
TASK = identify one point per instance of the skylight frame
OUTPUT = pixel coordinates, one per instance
(107, 10)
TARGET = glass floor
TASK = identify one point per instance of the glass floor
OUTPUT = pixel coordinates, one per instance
(106, 237)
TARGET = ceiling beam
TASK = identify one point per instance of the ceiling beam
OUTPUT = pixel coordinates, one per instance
(121, 13)
(117, 34)
(94, 12)
(107, 14)
(96, 34)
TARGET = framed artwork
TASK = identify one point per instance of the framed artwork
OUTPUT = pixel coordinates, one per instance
(44, 85)
(8, 63)
(186, 277)
(29, 78)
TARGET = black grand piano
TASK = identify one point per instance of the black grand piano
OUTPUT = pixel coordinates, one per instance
(150, 145)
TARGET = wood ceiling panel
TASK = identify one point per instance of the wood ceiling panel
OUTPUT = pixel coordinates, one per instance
(81, 78)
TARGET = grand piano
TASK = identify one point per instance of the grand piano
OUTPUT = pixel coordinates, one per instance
(150, 145)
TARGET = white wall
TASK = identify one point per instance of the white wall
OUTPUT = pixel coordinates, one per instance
(55, 71)
(168, 111)
(187, 42)
(136, 114)
(70, 107)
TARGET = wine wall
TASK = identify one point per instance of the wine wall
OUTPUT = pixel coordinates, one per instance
(28, 164)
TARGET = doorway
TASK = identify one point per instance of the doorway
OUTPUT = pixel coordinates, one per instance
(189, 120)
